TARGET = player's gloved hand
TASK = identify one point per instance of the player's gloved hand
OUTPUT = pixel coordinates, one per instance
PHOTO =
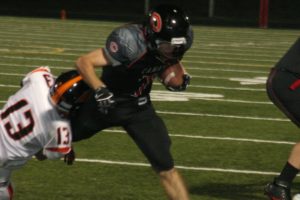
(104, 99)
(183, 86)
(69, 158)
(40, 156)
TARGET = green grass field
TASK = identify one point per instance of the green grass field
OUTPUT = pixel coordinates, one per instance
(228, 138)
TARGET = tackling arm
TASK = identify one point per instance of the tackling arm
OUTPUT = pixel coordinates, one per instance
(86, 65)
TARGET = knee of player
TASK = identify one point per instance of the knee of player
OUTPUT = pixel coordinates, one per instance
(163, 165)
(167, 173)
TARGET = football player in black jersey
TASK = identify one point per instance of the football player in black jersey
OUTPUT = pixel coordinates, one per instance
(133, 56)
(283, 87)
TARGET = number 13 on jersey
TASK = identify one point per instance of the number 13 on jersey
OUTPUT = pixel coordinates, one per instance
(63, 136)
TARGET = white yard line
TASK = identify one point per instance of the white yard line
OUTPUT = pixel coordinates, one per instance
(226, 70)
(37, 58)
(188, 68)
(214, 115)
(44, 47)
(228, 88)
(217, 138)
(33, 66)
(223, 116)
(189, 168)
(193, 86)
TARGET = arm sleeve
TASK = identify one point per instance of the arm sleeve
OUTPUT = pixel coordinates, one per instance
(61, 141)
(39, 75)
(124, 45)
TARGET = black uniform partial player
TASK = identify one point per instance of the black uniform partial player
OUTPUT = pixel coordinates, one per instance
(133, 56)
(283, 88)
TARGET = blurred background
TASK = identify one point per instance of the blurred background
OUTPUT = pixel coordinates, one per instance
(281, 13)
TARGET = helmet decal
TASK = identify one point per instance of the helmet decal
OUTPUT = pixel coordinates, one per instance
(155, 22)
(113, 46)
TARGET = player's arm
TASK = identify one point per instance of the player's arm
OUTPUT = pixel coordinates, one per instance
(38, 75)
(86, 65)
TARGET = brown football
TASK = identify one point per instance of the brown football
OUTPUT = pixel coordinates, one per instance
(173, 75)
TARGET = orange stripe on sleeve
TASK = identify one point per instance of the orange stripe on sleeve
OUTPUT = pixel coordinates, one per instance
(41, 69)
(63, 150)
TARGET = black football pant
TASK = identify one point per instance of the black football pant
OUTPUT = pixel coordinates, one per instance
(283, 88)
(142, 123)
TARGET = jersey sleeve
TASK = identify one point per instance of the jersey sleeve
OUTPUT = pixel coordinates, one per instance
(124, 45)
(38, 75)
(61, 141)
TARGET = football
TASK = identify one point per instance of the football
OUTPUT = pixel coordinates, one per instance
(173, 75)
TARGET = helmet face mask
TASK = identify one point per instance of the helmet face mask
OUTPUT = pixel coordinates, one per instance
(68, 91)
(171, 50)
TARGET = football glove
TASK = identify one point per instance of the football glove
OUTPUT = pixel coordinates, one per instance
(69, 158)
(183, 86)
(40, 156)
(104, 99)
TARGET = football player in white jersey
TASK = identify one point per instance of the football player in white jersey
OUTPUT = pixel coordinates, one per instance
(34, 121)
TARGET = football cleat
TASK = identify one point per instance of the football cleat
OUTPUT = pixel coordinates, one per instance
(278, 190)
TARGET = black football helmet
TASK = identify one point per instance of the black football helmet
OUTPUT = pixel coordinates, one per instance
(168, 30)
(68, 91)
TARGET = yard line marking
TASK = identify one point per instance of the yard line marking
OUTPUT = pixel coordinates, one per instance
(218, 57)
(35, 66)
(193, 76)
(50, 49)
(236, 51)
(84, 46)
(223, 88)
(221, 100)
(193, 86)
(226, 70)
(47, 45)
(216, 115)
(216, 138)
(188, 68)
(230, 63)
(228, 88)
(237, 101)
(138, 164)
(258, 80)
(233, 139)
(193, 52)
(223, 116)
(12, 86)
(186, 61)
(37, 58)
(83, 36)
(11, 74)
(163, 95)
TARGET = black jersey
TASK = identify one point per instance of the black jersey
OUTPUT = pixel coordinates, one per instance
(134, 66)
(291, 60)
